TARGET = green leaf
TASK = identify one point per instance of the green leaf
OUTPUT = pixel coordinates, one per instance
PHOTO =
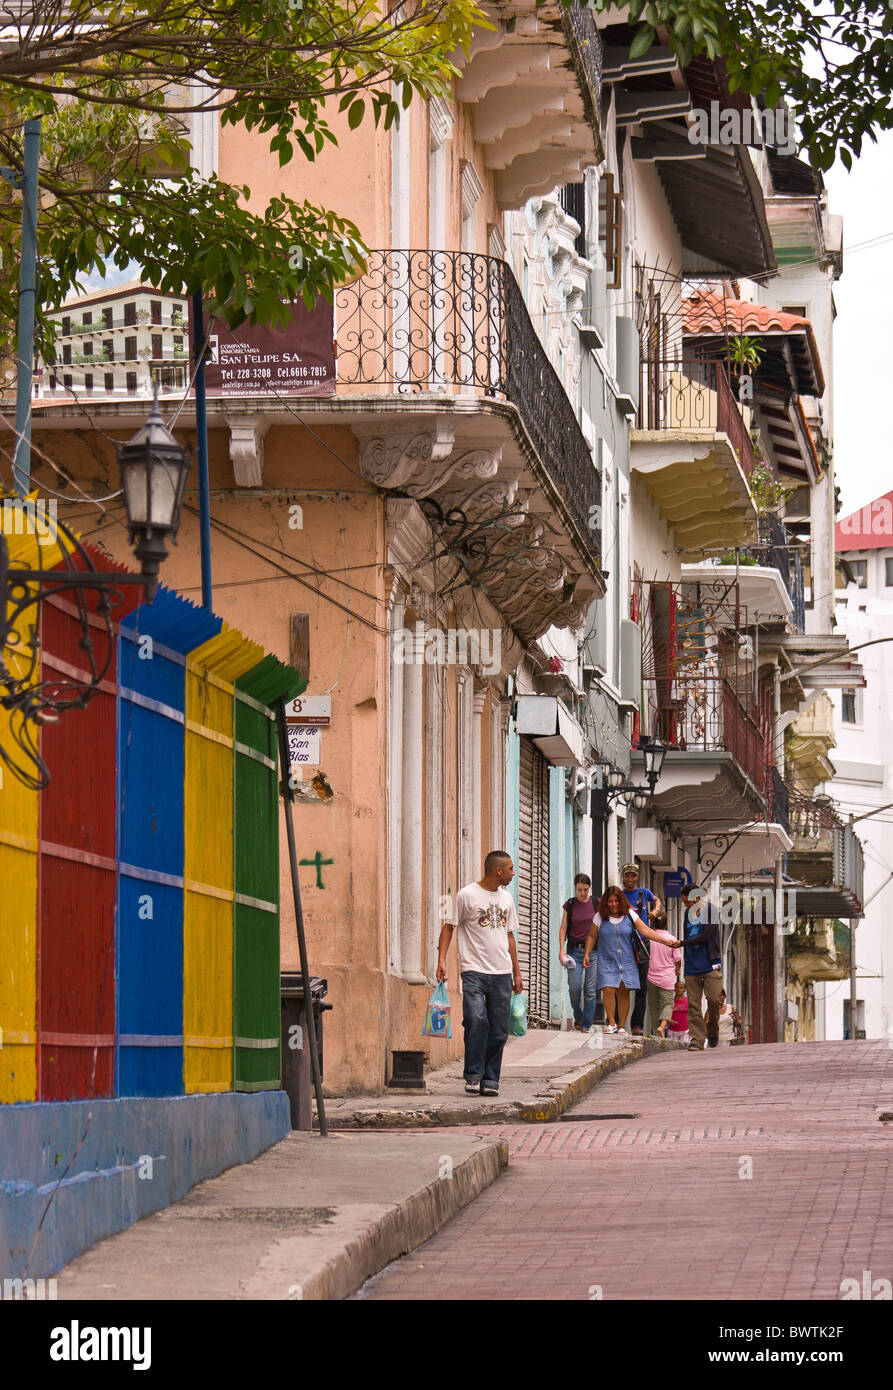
(642, 42)
(356, 114)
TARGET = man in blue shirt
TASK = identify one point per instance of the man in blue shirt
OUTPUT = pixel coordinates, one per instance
(702, 969)
(644, 903)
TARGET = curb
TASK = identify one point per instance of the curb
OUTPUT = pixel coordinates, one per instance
(405, 1226)
(515, 1112)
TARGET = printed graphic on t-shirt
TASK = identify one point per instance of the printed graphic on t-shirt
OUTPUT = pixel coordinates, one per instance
(493, 916)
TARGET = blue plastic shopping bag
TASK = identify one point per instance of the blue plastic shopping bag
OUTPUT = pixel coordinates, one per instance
(437, 1018)
(519, 1014)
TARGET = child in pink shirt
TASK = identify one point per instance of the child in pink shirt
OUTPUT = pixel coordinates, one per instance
(678, 1029)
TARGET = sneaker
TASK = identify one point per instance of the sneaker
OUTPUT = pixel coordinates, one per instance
(610, 1027)
(622, 1033)
(472, 1088)
(489, 1091)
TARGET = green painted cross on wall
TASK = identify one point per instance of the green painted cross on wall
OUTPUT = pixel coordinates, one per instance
(317, 861)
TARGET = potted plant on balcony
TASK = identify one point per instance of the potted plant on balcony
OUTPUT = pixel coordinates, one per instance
(143, 316)
(744, 355)
(767, 492)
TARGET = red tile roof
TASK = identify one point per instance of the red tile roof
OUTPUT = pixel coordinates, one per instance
(870, 528)
(707, 312)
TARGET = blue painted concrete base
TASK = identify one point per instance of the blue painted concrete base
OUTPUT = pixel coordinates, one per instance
(125, 1160)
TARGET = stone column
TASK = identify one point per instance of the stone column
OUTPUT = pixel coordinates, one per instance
(412, 851)
(477, 780)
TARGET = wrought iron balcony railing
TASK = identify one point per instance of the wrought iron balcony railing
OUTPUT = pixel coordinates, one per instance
(774, 549)
(455, 323)
(778, 810)
(690, 394)
(695, 682)
(705, 715)
(587, 53)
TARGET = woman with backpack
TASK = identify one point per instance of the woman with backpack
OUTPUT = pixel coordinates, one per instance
(577, 916)
(616, 930)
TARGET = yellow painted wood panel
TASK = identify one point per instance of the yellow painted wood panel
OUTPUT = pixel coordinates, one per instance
(209, 705)
(18, 919)
(209, 812)
(18, 972)
(207, 993)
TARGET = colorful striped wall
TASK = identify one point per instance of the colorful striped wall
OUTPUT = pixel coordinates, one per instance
(139, 942)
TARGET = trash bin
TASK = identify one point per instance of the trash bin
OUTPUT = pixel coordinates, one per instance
(297, 1075)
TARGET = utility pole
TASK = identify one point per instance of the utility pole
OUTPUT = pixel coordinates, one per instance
(26, 181)
(201, 431)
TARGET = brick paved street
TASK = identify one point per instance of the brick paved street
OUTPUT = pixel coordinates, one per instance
(661, 1206)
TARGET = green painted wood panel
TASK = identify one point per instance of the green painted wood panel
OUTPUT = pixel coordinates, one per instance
(256, 1006)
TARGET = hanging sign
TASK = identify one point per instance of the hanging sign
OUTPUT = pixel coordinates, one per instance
(310, 709)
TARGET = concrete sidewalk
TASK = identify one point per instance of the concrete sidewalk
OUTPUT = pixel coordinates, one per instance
(543, 1074)
(310, 1219)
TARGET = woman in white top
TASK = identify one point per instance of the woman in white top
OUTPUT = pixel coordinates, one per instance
(729, 1022)
(613, 929)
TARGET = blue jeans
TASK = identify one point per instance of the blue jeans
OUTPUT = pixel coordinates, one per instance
(581, 986)
(486, 1014)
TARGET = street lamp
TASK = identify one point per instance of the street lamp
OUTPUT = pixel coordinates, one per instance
(154, 468)
(616, 779)
(654, 752)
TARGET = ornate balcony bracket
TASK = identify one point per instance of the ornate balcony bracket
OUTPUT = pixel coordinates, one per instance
(485, 535)
(246, 449)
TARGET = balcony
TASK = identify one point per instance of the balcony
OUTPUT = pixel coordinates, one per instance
(455, 404)
(534, 82)
(695, 698)
(774, 549)
(819, 950)
(692, 448)
(826, 860)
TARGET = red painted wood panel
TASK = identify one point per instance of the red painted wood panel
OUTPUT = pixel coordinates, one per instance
(77, 882)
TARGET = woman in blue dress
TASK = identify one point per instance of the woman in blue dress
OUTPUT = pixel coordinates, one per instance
(612, 933)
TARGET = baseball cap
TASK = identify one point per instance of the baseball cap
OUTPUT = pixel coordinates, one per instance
(630, 869)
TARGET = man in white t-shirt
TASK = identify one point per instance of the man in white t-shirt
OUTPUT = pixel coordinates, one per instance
(486, 920)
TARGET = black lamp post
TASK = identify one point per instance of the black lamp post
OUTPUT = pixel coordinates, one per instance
(616, 787)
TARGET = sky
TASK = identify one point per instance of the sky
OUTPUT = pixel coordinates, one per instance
(863, 331)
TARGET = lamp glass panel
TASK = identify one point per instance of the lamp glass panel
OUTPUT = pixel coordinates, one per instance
(133, 481)
(164, 487)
